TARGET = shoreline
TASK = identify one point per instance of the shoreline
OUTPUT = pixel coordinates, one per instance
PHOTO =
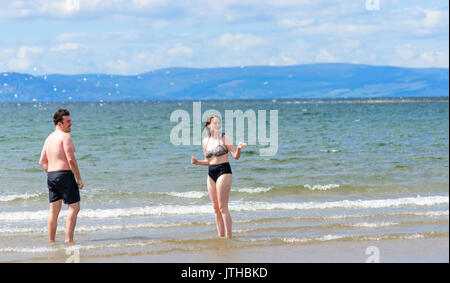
(414, 250)
(429, 250)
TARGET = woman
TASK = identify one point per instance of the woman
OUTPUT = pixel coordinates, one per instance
(216, 147)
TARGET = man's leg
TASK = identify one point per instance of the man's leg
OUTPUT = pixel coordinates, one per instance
(71, 221)
(52, 224)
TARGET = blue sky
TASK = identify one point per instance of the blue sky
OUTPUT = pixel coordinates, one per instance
(136, 36)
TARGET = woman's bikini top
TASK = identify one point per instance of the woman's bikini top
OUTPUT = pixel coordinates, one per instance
(218, 151)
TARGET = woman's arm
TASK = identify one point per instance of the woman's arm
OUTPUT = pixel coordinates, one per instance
(201, 162)
(236, 153)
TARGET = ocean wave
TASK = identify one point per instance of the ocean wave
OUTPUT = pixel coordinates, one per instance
(12, 231)
(334, 226)
(193, 194)
(310, 239)
(251, 190)
(439, 213)
(330, 237)
(376, 224)
(321, 187)
(86, 229)
(33, 250)
(119, 196)
(429, 214)
(233, 206)
(15, 197)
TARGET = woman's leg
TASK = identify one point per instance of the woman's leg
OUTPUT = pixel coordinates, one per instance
(223, 186)
(213, 196)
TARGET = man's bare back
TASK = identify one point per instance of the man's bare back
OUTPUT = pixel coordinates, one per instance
(59, 162)
(58, 152)
(54, 150)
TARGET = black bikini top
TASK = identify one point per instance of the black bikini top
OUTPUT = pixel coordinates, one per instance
(218, 151)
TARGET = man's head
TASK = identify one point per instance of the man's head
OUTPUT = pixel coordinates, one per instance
(62, 120)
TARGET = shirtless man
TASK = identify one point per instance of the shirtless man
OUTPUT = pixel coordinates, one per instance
(58, 161)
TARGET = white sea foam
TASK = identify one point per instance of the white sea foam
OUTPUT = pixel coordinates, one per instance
(374, 225)
(254, 190)
(41, 230)
(309, 239)
(433, 213)
(439, 213)
(34, 250)
(361, 237)
(233, 206)
(13, 197)
(321, 187)
(194, 194)
(20, 230)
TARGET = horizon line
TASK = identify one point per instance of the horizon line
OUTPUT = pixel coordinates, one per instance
(392, 99)
(231, 67)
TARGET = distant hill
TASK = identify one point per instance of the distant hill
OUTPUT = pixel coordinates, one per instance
(334, 80)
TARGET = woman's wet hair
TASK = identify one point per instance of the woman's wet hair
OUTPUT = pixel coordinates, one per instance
(208, 122)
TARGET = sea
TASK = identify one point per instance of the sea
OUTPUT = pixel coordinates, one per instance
(342, 171)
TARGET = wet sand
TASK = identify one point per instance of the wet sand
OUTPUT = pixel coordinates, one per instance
(420, 250)
(390, 251)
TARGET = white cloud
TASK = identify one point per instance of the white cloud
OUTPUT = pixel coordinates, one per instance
(293, 23)
(64, 37)
(180, 51)
(66, 47)
(56, 8)
(433, 18)
(118, 67)
(24, 58)
(324, 56)
(72, 5)
(151, 34)
(293, 53)
(435, 58)
(143, 3)
(122, 35)
(340, 29)
(417, 20)
(240, 41)
(406, 51)
(159, 24)
(349, 44)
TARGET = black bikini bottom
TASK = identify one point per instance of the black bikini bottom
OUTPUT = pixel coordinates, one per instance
(215, 171)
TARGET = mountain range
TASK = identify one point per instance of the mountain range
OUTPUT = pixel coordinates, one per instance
(323, 80)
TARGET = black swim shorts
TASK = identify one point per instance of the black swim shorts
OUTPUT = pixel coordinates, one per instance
(62, 185)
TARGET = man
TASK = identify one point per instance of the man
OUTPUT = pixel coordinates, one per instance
(58, 161)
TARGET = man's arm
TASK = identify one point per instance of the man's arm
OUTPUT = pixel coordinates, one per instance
(43, 161)
(69, 150)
